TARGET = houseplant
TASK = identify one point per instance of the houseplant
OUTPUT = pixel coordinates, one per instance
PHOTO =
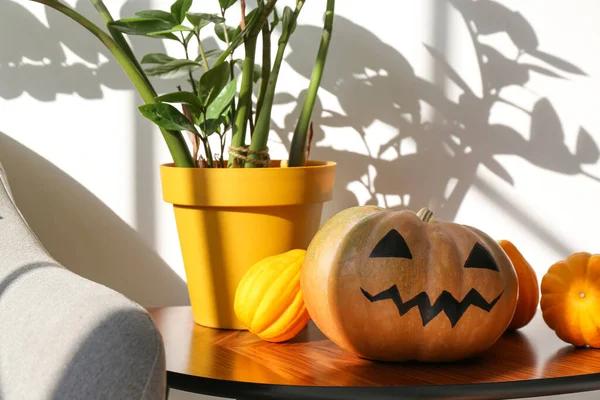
(227, 218)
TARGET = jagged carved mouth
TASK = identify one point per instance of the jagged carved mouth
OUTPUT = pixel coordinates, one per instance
(446, 302)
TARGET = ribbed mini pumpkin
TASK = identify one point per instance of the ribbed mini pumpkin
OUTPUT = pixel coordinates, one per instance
(268, 299)
(571, 299)
(529, 291)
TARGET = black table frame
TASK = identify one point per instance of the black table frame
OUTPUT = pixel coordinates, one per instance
(473, 391)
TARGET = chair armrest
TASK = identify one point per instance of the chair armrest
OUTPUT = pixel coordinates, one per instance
(63, 336)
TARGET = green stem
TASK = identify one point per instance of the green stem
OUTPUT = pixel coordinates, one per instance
(232, 75)
(250, 31)
(227, 52)
(175, 141)
(221, 160)
(263, 123)
(227, 43)
(299, 140)
(225, 32)
(117, 36)
(266, 68)
(266, 12)
(201, 50)
(245, 100)
(187, 57)
(207, 149)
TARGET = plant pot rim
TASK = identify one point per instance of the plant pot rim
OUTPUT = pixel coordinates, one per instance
(312, 164)
(248, 187)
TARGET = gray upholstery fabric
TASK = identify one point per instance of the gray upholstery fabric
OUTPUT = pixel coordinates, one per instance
(63, 336)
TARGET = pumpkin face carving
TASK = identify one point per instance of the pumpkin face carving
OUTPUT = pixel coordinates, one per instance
(398, 286)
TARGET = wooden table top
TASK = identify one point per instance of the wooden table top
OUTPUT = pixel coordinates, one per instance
(531, 362)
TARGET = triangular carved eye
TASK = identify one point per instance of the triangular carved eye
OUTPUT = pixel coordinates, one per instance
(481, 258)
(392, 245)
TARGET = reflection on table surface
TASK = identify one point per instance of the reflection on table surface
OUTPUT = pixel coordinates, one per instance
(311, 359)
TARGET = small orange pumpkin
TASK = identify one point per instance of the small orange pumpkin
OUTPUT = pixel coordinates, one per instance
(529, 292)
(571, 299)
(268, 299)
(398, 286)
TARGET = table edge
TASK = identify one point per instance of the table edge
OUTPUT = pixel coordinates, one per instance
(487, 390)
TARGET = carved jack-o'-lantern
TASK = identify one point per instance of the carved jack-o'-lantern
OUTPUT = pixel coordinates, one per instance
(399, 286)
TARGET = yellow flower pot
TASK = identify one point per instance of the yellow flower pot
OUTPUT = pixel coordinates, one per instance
(230, 218)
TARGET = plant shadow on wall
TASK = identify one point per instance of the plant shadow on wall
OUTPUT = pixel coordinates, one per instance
(38, 65)
(373, 82)
(75, 226)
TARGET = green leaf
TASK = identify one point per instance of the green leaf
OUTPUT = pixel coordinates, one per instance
(196, 113)
(187, 39)
(212, 125)
(140, 26)
(212, 82)
(251, 19)
(179, 9)
(201, 23)
(156, 58)
(200, 20)
(176, 28)
(253, 16)
(173, 69)
(222, 101)
(167, 117)
(275, 19)
(288, 24)
(157, 14)
(226, 120)
(180, 97)
(225, 4)
(232, 32)
(163, 35)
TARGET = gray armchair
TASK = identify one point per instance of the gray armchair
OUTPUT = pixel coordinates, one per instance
(63, 336)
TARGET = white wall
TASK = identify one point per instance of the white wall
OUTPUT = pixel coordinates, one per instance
(84, 163)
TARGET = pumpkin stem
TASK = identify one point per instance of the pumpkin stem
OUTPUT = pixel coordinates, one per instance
(426, 215)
